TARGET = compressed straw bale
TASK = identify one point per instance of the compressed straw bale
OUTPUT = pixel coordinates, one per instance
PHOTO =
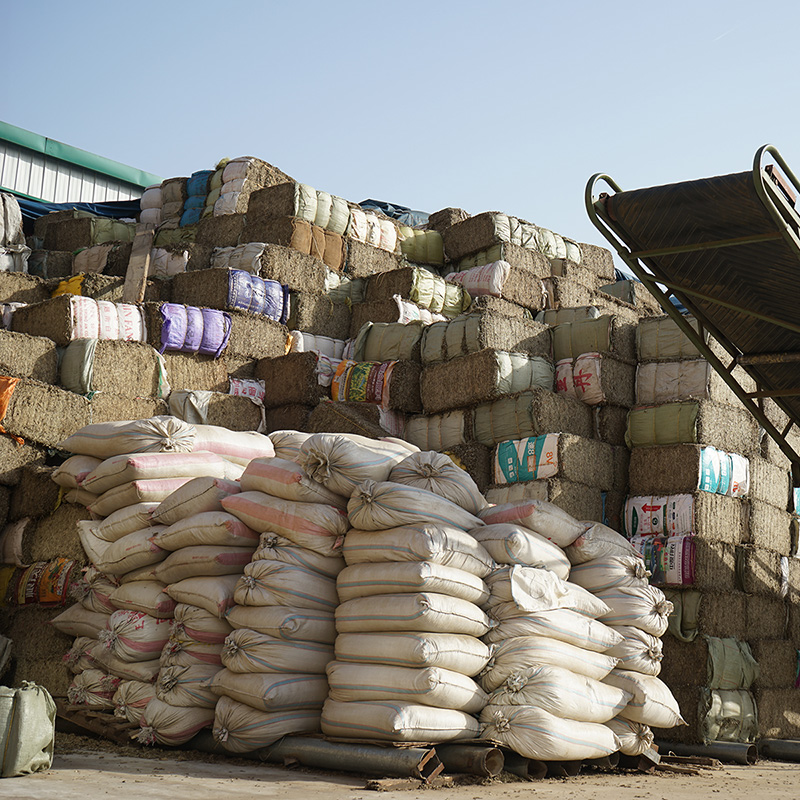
(33, 636)
(287, 418)
(519, 258)
(50, 318)
(778, 713)
(254, 337)
(566, 293)
(45, 414)
(200, 254)
(54, 535)
(300, 272)
(378, 311)
(524, 289)
(192, 371)
(777, 659)
(620, 466)
(26, 356)
(635, 293)
(440, 431)
(665, 469)
(363, 259)
(470, 236)
(240, 366)
(688, 698)
(617, 379)
(5, 503)
(50, 263)
(475, 459)
(445, 218)
(291, 379)
(606, 334)
(17, 287)
(727, 428)
(660, 339)
(108, 287)
(14, 456)
(77, 233)
(404, 388)
(769, 450)
(389, 341)
(318, 314)
(581, 501)
(792, 628)
(480, 377)
(598, 260)
(769, 483)
(173, 190)
(129, 368)
(715, 566)
(610, 424)
(260, 175)
(711, 613)
(335, 253)
(764, 618)
(108, 407)
(288, 232)
(363, 419)
(669, 381)
(36, 494)
(233, 413)
(498, 305)
(770, 528)
(275, 199)
(758, 571)
(117, 258)
(47, 672)
(221, 231)
(574, 273)
(530, 413)
(684, 663)
(613, 509)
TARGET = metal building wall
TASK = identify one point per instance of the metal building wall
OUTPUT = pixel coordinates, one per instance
(55, 181)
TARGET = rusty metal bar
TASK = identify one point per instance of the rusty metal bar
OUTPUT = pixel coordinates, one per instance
(757, 359)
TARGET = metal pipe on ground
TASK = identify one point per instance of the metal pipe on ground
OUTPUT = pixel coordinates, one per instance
(471, 760)
(732, 752)
(610, 761)
(399, 762)
(780, 749)
(563, 769)
(527, 768)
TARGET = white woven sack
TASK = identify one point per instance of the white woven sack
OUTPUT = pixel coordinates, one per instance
(599, 541)
(238, 447)
(564, 377)
(451, 547)
(95, 588)
(534, 733)
(539, 516)
(459, 653)
(238, 728)
(75, 620)
(85, 319)
(128, 494)
(131, 552)
(215, 595)
(515, 654)
(279, 477)
(185, 686)
(438, 431)
(266, 691)
(181, 650)
(79, 658)
(131, 698)
(562, 624)
(272, 583)
(318, 527)
(652, 703)
(285, 622)
(341, 462)
(634, 738)
(643, 607)
(487, 279)
(124, 521)
(423, 611)
(161, 434)
(198, 624)
(93, 688)
(134, 636)
(376, 506)
(561, 692)
(366, 580)
(170, 725)
(148, 597)
(118, 470)
(193, 562)
(74, 470)
(587, 378)
(512, 544)
(436, 472)
(249, 651)
(108, 319)
(197, 496)
(396, 721)
(638, 651)
(518, 590)
(427, 686)
(208, 528)
(288, 444)
(606, 573)
(146, 671)
(303, 342)
(277, 548)
(151, 198)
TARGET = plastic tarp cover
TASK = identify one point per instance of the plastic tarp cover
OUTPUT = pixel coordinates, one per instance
(403, 214)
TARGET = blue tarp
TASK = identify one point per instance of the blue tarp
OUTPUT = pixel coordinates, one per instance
(403, 214)
(33, 209)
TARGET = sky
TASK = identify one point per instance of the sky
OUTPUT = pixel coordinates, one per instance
(505, 106)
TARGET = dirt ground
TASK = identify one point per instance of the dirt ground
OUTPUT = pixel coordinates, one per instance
(85, 769)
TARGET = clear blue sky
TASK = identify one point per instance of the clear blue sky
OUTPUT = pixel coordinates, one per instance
(487, 106)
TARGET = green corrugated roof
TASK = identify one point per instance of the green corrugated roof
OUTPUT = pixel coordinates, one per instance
(73, 155)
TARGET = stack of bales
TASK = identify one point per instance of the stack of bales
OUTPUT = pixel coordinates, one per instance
(200, 196)
(409, 616)
(14, 253)
(151, 203)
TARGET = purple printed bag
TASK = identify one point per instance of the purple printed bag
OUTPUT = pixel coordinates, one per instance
(216, 332)
(173, 326)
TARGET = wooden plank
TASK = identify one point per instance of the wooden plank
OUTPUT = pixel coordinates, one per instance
(138, 264)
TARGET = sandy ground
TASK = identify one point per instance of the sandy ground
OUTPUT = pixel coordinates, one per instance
(85, 770)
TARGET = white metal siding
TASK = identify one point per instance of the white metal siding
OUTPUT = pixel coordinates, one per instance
(57, 181)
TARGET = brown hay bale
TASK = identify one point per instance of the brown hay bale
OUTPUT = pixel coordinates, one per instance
(335, 251)
(33, 636)
(497, 305)
(574, 273)
(318, 314)
(684, 663)
(688, 698)
(50, 263)
(35, 495)
(794, 581)
(129, 368)
(173, 190)
(283, 231)
(26, 356)
(331, 416)
(620, 466)
(404, 388)
(255, 337)
(610, 424)
(770, 527)
(363, 260)
(45, 414)
(300, 272)
(723, 614)
(793, 623)
(758, 571)
(74, 234)
(476, 459)
(778, 713)
(192, 371)
(665, 469)
(221, 231)
(240, 366)
(583, 502)
(470, 235)
(445, 218)
(597, 259)
(714, 565)
(519, 258)
(291, 379)
(667, 381)
(48, 672)
(609, 333)
(287, 418)
(5, 503)
(635, 294)
(108, 407)
(769, 483)
(617, 381)
(17, 287)
(117, 258)
(613, 505)
(765, 618)
(200, 254)
(361, 313)
(318, 242)
(14, 456)
(233, 413)
(660, 339)
(49, 318)
(777, 659)
(566, 293)
(55, 535)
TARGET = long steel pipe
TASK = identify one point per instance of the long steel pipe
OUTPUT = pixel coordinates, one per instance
(471, 759)
(524, 767)
(780, 749)
(735, 752)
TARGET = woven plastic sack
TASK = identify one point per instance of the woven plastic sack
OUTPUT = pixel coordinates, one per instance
(514, 545)
(285, 622)
(638, 651)
(170, 725)
(287, 480)
(215, 595)
(93, 688)
(606, 573)
(145, 596)
(198, 624)
(539, 516)
(271, 692)
(131, 698)
(652, 703)
(131, 552)
(183, 651)
(76, 620)
(278, 549)
(28, 723)
(185, 686)
(599, 541)
(197, 496)
(134, 636)
(634, 738)
(238, 447)
(643, 607)
(271, 583)
(203, 560)
(249, 651)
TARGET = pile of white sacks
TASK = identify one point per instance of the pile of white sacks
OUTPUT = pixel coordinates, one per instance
(307, 582)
